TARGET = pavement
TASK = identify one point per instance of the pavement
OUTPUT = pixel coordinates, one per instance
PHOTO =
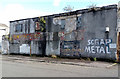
(77, 62)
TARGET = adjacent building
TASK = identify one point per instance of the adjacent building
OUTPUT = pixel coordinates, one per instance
(4, 30)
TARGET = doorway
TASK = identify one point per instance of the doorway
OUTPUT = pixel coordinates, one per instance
(118, 47)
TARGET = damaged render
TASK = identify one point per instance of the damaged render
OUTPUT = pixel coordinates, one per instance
(73, 34)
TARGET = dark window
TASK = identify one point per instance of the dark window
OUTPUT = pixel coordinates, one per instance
(79, 24)
(25, 27)
(19, 28)
(63, 24)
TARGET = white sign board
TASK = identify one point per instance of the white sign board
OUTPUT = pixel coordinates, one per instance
(112, 45)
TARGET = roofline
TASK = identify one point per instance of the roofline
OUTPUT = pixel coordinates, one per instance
(3, 25)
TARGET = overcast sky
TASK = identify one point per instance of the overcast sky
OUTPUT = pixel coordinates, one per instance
(19, 9)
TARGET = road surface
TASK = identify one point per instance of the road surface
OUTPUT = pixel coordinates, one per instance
(20, 68)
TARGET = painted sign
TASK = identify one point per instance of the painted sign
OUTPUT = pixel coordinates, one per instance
(112, 45)
(98, 46)
(37, 36)
(70, 48)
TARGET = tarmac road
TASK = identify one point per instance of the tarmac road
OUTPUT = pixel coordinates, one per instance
(20, 68)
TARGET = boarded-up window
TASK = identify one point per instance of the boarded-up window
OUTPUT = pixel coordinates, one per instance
(55, 36)
(79, 23)
(55, 40)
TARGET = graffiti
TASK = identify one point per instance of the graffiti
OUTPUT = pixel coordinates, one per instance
(40, 24)
(70, 24)
(56, 21)
(77, 35)
(61, 35)
(37, 26)
(70, 48)
(37, 36)
(98, 46)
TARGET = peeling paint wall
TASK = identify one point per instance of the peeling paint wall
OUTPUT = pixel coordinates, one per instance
(75, 34)
(52, 39)
(25, 34)
(91, 26)
(95, 28)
